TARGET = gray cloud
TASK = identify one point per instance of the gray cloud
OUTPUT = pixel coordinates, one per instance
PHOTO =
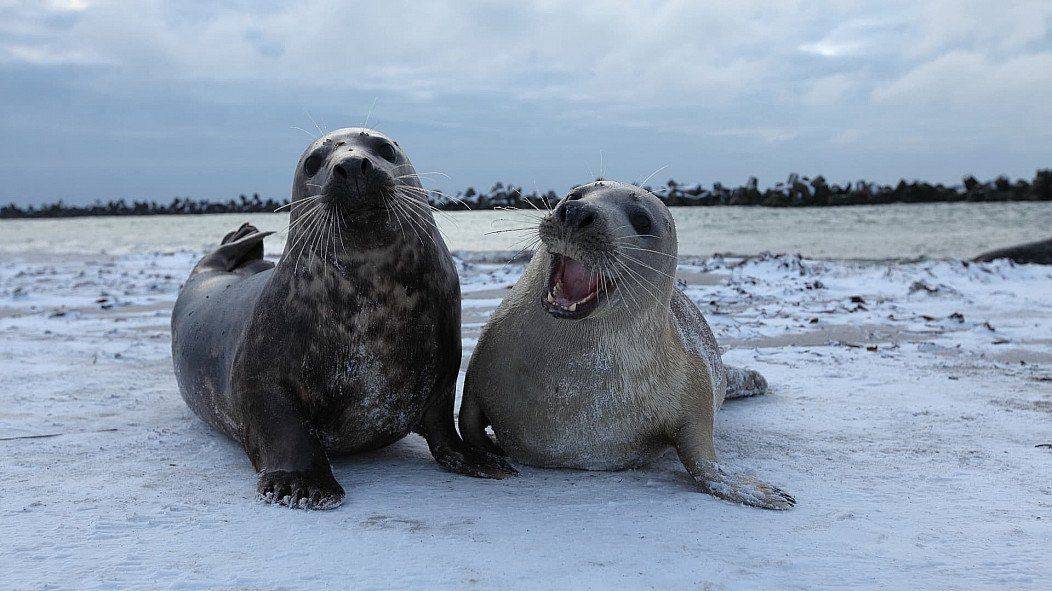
(203, 95)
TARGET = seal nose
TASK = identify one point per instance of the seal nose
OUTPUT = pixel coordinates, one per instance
(575, 214)
(352, 165)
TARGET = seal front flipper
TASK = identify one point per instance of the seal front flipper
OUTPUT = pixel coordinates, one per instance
(473, 422)
(293, 468)
(451, 452)
(698, 456)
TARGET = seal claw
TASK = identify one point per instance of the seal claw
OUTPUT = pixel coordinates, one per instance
(299, 490)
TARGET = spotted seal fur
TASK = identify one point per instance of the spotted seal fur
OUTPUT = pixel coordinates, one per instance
(349, 343)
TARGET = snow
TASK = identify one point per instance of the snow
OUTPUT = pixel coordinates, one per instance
(907, 424)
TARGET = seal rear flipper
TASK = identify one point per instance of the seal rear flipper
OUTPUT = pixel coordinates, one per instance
(241, 251)
(743, 383)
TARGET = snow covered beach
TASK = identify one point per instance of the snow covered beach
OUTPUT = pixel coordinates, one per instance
(910, 419)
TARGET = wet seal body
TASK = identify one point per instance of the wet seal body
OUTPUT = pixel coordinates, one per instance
(349, 343)
(596, 361)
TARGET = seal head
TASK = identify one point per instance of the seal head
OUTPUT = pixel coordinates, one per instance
(589, 236)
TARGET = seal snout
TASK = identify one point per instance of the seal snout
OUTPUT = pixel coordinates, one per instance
(575, 214)
(356, 180)
(352, 165)
(574, 290)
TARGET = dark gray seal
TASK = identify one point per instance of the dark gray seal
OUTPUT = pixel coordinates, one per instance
(1039, 252)
(596, 361)
(349, 343)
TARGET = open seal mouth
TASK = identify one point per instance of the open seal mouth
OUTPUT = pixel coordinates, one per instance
(574, 290)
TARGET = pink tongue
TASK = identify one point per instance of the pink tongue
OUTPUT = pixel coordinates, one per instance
(578, 281)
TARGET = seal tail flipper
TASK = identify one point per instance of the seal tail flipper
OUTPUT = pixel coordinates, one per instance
(743, 383)
(241, 251)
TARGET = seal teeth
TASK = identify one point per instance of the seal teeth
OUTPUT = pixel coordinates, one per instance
(551, 298)
(573, 307)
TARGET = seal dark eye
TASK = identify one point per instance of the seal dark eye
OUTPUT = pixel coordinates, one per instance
(641, 222)
(312, 164)
(387, 152)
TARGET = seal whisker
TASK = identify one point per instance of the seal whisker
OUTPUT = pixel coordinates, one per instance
(422, 205)
(664, 254)
(409, 195)
(539, 220)
(606, 270)
(316, 227)
(402, 213)
(426, 193)
(640, 281)
(639, 274)
(330, 244)
(524, 212)
(529, 229)
(651, 175)
(415, 217)
(306, 231)
(302, 215)
(318, 127)
(299, 202)
(421, 209)
(370, 113)
(342, 229)
(409, 220)
(323, 244)
(422, 174)
(529, 245)
(301, 222)
(640, 301)
(639, 262)
(312, 228)
(419, 190)
(333, 233)
(623, 280)
(320, 247)
(393, 211)
(309, 134)
(317, 248)
(534, 205)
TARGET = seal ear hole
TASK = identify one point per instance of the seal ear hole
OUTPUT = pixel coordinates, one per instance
(312, 164)
(641, 222)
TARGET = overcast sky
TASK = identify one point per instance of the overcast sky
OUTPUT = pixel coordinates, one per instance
(199, 98)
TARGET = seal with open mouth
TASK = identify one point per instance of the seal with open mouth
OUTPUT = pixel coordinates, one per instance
(596, 361)
(349, 343)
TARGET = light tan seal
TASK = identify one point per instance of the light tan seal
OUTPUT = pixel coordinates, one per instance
(596, 361)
